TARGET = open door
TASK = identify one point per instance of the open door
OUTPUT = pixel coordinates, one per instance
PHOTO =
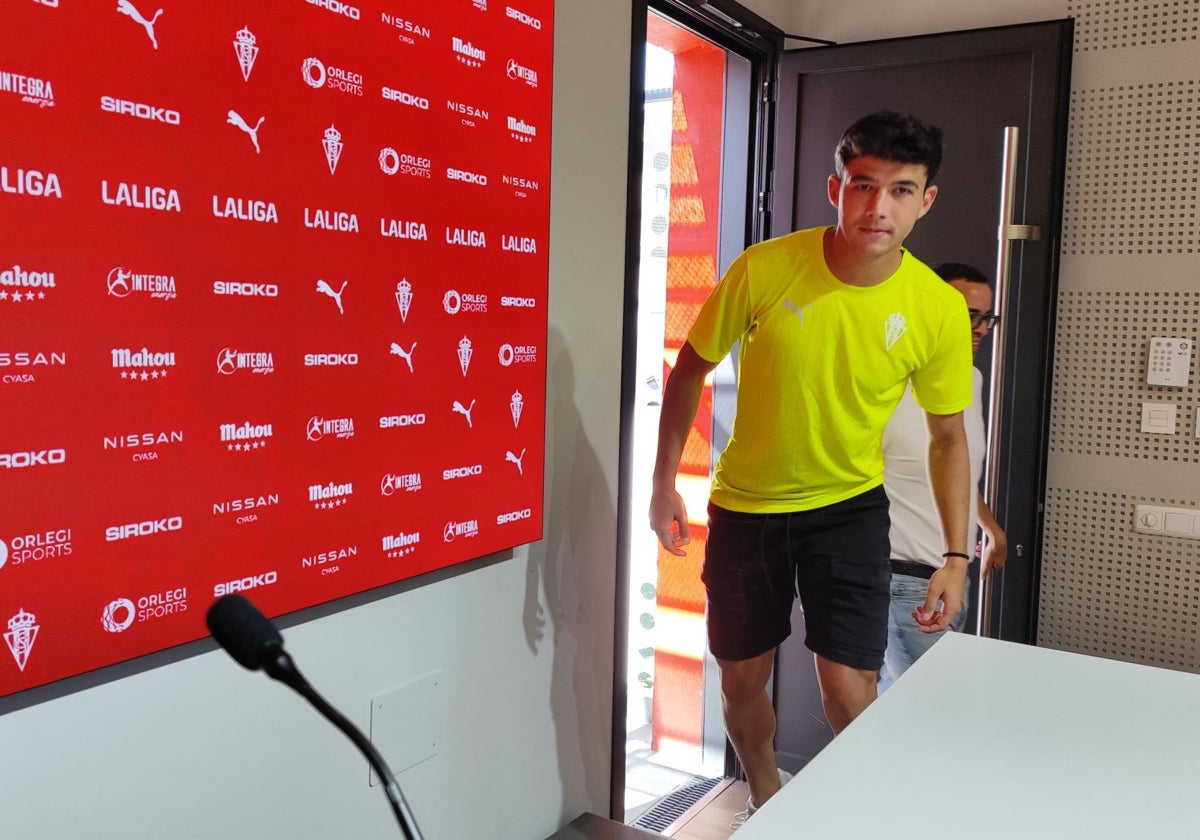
(974, 85)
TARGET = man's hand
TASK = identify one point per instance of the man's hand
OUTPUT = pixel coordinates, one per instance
(667, 509)
(993, 548)
(946, 586)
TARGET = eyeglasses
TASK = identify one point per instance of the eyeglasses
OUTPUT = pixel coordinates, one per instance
(981, 318)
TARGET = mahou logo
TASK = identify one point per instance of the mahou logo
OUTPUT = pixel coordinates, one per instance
(245, 47)
(22, 632)
(329, 496)
(246, 436)
(521, 131)
(142, 365)
(467, 53)
(123, 283)
(400, 544)
(320, 428)
(34, 283)
(231, 361)
(31, 89)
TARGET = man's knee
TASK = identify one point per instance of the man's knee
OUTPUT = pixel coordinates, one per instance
(745, 679)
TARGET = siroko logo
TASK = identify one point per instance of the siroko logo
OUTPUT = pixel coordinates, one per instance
(391, 162)
(466, 176)
(30, 182)
(237, 288)
(520, 73)
(247, 583)
(514, 516)
(230, 361)
(400, 421)
(32, 458)
(122, 284)
(518, 302)
(330, 359)
(319, 428)
(392, 483)
(522, 17)
(338, 8)
(129, 108)
(462, 472)
(405, 98)
(147, 528)
(31, 89)
(320, 75)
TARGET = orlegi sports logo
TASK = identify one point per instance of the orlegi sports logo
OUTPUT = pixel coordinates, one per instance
(245, 209)
(247, 583)
(139, 110)
(142, 365)
(122, 613)
(23, 366)
(330, 359)
(246, 436)
(145, 528)
(403, 97)
(467, 53)
(31, 89)
(19, 549)
(143, 446)
(466, 528)
(514, 516)
(24, 459)
(329, 561)
(392, 162)
(339, 428)
(330, 495)
(401, 421)
(338, 8)
(231, 361)
(34, 182)
(455, 302)
(246, 508)
(407, 30)
(140, 196)
(244, 288)
(517, 354)
(522, 17)
(317, 74)
(123, 283)
(400, 544)
(520, 73)
(34, 283)
(343, 221)
(393, 483)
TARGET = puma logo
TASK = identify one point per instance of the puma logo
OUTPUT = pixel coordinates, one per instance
(465, 412)
(236, 119)
(399, 351)
(325, 289)
(792, 306)
(127, 8)
(515, 459)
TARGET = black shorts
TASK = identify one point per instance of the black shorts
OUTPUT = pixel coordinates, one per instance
(836, 558)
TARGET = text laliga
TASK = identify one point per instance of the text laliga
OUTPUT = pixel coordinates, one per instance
(143, 529)
(245, 584)
(18, 460)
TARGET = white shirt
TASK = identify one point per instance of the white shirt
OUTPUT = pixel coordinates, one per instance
(916, 535)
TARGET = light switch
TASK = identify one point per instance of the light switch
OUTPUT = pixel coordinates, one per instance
(1158, 418)
(1165, 521)
(1178, 523)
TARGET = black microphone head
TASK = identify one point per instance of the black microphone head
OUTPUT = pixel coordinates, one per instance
(245, 633)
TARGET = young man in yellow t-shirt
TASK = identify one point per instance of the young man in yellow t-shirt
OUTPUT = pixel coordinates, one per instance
(831, 325)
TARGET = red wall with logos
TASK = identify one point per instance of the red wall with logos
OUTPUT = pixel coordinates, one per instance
(272, 308)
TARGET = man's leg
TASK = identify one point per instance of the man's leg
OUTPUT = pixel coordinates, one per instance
(845, 691)
(750, 721)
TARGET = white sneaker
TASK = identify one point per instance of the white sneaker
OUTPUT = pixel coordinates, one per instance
(739, 819)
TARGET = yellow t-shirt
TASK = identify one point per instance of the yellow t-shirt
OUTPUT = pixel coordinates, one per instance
(821, 367)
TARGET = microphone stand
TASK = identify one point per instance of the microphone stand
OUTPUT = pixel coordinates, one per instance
(279, 666)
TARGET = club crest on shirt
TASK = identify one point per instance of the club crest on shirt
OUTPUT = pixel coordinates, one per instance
(894, 328)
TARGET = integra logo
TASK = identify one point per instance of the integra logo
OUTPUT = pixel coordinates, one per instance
(454, 530)
(231, 361)
(518, 15)
(143, 529)
(30, 458)
(338, 427)
(392, 483)
(330, 359)
(514, 516)
(399, 421)
(466, 177)
(31, 89)
(462, 472)
(520, 73)
(338, 8)
(233, 288)
(122, 283)
(405, 98)
(142, 111)
(247, 583)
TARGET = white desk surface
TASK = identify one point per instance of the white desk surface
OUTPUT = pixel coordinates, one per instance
(984, 739)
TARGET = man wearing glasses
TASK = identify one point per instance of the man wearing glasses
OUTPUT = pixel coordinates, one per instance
(915, 534)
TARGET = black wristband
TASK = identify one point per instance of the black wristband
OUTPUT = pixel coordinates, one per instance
(966, 557)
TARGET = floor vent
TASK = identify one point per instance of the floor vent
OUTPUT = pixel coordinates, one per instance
(663, 814)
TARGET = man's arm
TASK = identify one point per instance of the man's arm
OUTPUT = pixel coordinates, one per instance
(681, 398)
(950, 483)
(994, 549)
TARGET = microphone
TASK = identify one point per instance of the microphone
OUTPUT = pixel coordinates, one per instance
(253, 641)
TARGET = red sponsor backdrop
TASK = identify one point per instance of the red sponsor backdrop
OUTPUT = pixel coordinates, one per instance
(273, 288)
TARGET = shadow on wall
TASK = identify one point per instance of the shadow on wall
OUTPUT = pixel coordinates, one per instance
(569, 594)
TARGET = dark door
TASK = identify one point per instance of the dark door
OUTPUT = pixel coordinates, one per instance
(973, 85)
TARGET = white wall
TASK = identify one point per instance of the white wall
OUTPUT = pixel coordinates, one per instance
(202, 749)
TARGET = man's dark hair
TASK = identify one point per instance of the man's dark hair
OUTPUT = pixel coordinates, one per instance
(889, 135)
(960, 271)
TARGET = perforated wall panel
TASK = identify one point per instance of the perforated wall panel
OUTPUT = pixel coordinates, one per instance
(1111, 592)
(1106, 24)
(1133, 170)
(1101, 349)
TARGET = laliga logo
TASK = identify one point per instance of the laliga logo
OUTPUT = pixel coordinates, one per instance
(127, 8)
(118, 615)
(246, 51)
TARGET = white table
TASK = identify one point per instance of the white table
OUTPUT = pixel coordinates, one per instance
(984, 739)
